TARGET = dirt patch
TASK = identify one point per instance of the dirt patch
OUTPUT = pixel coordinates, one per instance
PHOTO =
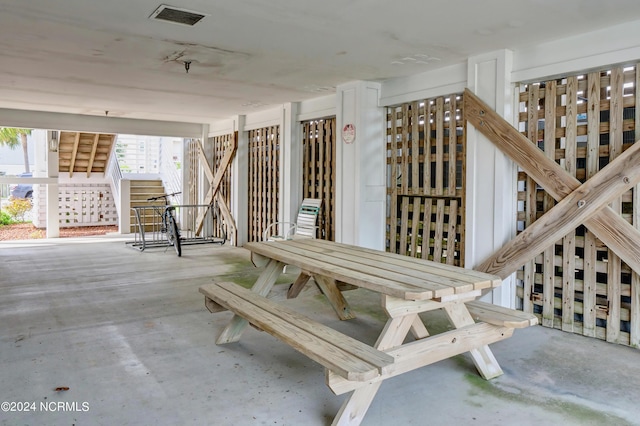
(26, 231)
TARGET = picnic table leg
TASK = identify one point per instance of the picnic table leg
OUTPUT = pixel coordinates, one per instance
(262, 286)
(356, 405)
(418, 329)
(483, 358)
(329, 287)
(298, 285)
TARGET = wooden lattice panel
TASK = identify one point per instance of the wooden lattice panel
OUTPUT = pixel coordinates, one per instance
(217, 147)
(426, 151)
(221, 144)
(264, 177)
(319, 171)
(194, 172)
(579, 285)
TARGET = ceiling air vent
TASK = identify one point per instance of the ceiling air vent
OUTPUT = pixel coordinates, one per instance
(177, 15)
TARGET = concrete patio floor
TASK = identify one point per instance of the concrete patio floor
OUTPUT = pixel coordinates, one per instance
(128, 334)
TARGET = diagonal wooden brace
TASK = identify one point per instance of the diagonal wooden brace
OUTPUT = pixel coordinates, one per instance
(214, 180)
(607, 225)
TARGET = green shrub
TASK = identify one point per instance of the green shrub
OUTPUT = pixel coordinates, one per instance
(18, 207)
(5, 218)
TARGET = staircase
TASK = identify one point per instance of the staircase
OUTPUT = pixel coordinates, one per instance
(141, 190)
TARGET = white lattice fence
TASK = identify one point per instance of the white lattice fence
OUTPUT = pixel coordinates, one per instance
(87, 205)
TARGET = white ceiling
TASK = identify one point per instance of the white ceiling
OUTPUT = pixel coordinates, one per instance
(92, 56)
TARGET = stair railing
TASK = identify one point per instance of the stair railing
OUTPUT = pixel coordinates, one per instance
(115, 176)
(170, 172)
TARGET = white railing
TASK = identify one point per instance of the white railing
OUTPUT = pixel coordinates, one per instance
(170, 169)
(138, 154)
(115, 176)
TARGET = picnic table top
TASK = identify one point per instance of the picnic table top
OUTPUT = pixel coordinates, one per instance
(387, 273)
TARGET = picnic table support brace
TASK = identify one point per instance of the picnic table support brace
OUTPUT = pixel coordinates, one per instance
(356, 405)
(233, 331)
(482, 356)
(330, 289)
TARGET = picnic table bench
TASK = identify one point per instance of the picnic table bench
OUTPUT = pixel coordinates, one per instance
(407, 286)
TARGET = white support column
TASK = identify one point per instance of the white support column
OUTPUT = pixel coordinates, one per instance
(291, 161)
(361, 166)
(239, 177)
(186, 169)
(491, 175)
(124, 220)
(53, 203)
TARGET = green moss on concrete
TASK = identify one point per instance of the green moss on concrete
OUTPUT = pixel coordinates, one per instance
(581, 414)
(243, 273)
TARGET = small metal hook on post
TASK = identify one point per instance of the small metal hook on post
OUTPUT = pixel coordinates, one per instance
(187, 65)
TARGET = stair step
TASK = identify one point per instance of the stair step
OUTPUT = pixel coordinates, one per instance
(156, 182)
(147, 190)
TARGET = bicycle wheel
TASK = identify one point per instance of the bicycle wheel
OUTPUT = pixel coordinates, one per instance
(173, 234)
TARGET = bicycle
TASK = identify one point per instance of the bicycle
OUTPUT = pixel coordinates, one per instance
(169, 223)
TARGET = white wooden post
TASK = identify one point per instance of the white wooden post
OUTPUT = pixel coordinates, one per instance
(491, 175)
(361, 166)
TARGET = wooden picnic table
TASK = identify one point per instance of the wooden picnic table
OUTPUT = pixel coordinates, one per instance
(408, 287)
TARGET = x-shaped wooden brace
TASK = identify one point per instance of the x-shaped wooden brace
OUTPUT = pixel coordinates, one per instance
(578, 203)
(214, 182)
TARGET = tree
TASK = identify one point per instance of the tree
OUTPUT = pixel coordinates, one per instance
(13, 137)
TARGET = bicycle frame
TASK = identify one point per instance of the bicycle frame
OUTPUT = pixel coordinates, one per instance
(169, 223)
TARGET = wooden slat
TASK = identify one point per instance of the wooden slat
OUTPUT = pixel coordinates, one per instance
(93, 153)
(615, 150)
(548, 203)
(426, 162)
(634, 334)
(531, 196)
(74, 152)
(342, 354)
(415, 267)
(479, 279)
(500, 316)
(437, 246)
(393, 219)
(439, 146)
(426, 228)
(427, 351)
(453, 140)
(568, 280)
(415, 225)
(313, 155)
(404, 223)
(569, 241)
(592, 166)
(331, 189)
(462, 158)
(415, 147)
(451, 232)
(404, 175)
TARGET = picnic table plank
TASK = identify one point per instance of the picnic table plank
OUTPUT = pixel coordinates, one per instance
(346, 356)
(479, 279)
(385, 269)
(364, 280)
